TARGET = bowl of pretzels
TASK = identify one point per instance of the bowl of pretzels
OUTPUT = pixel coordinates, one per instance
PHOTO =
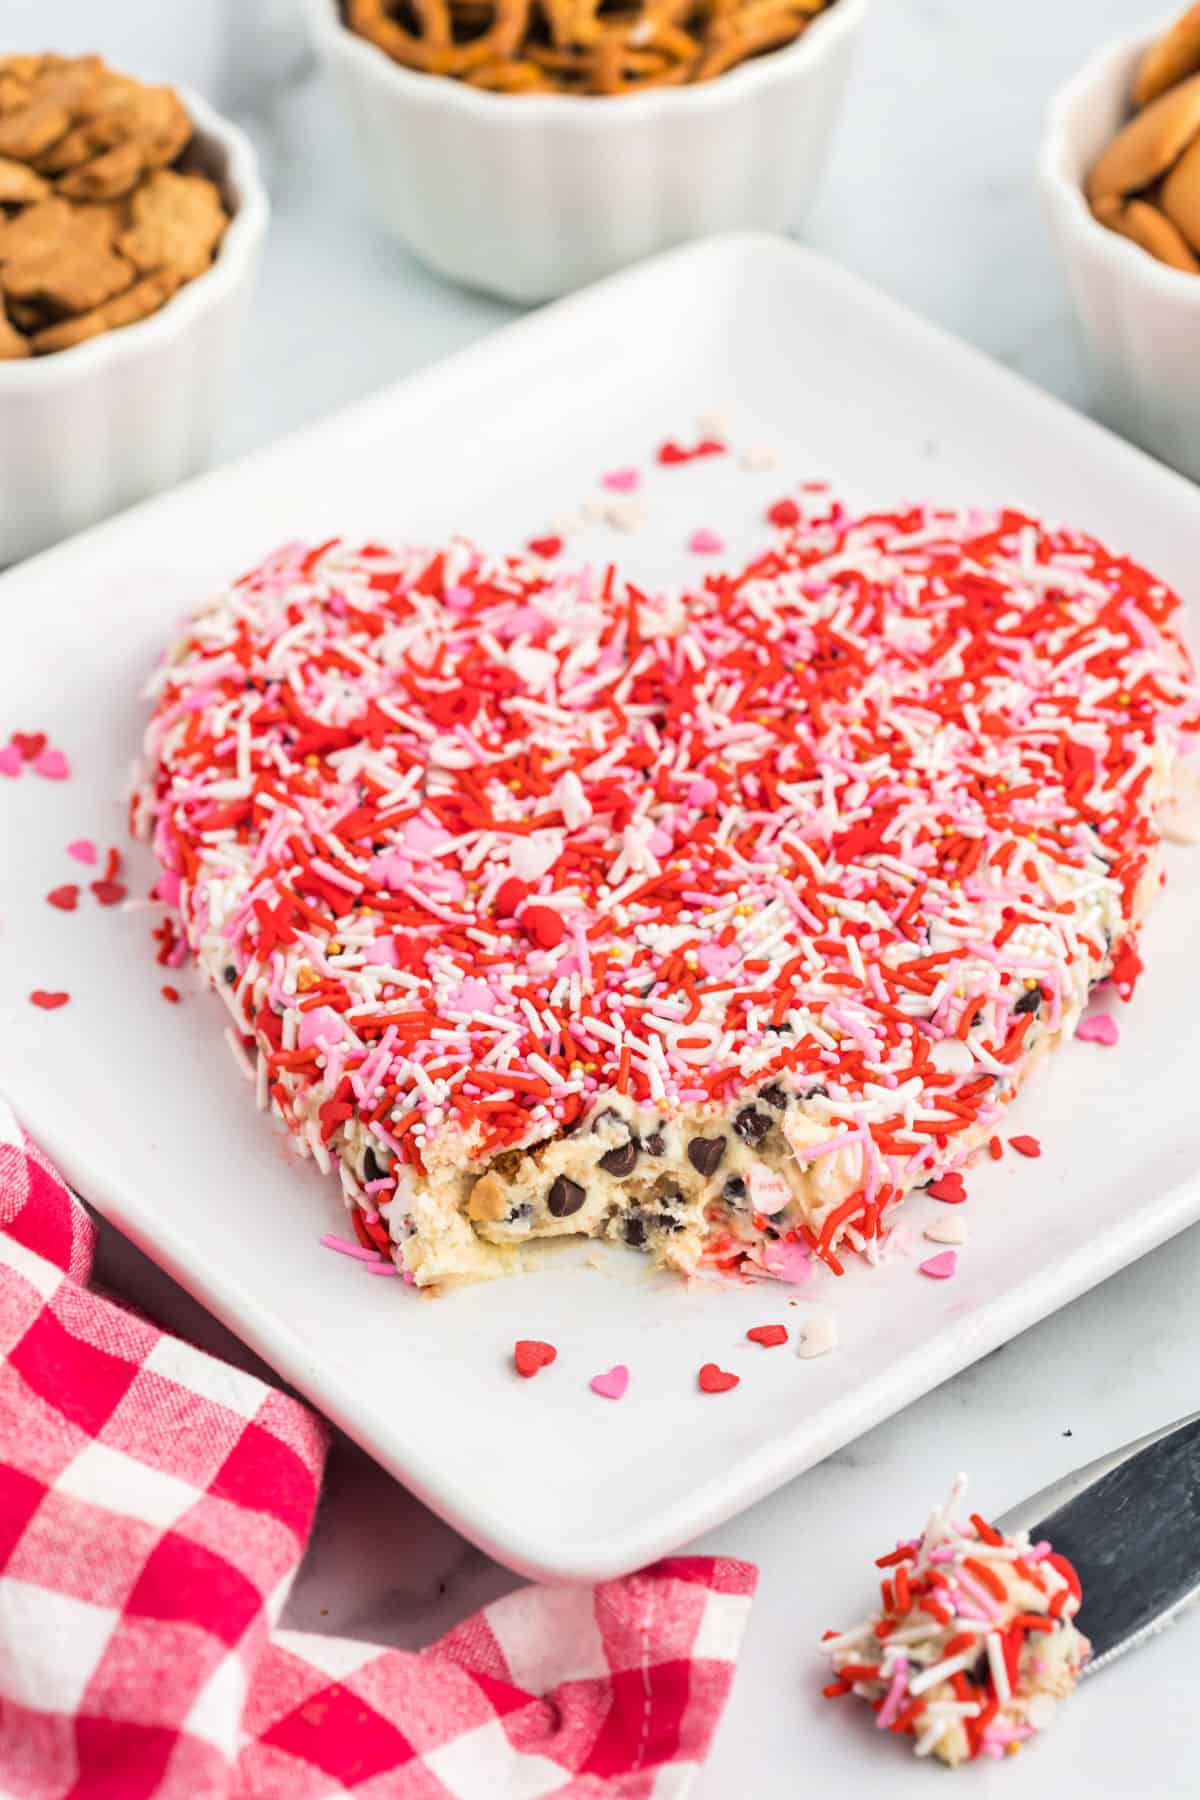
(526, 147)
(1120, 175)
(131, 218)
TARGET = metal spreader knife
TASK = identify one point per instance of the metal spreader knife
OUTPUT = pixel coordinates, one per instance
(1130, 1524)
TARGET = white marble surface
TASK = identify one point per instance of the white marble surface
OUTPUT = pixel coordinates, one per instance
(930, 195)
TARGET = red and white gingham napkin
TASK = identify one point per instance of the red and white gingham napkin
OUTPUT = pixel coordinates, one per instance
(154, 1505)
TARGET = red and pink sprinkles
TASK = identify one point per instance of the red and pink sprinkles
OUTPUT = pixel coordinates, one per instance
(483, 841)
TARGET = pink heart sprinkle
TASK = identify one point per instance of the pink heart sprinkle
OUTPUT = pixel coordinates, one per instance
(705, 542)
(702, 791)
(717, 959)
(53, 765)
(612, 1384)
(941, 1267)
(11, 761)
(621, 481)
(83, 850)
(1100, 1029)
(320, 1024)
(787, 1262)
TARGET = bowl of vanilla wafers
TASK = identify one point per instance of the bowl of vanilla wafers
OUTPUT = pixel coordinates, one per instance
(1120, 174)
(526, 147)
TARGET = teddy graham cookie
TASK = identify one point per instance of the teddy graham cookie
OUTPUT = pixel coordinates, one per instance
(710, 923)
(100, 224)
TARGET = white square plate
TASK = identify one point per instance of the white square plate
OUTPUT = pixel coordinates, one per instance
(143, 1107)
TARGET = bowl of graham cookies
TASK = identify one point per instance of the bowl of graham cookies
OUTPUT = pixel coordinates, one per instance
(1120, 174)
(131, 217)
(527, 147)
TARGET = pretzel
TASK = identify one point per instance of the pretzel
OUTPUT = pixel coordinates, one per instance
(1149, 228)
(435, 51)
(1170, 60)
(584, 47)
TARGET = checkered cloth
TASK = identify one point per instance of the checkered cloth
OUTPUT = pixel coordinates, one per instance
(154, 1505)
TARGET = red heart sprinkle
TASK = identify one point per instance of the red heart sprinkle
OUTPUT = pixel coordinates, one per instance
(48, 1002)
(29, 743)
(709, 447)
(109, 893)
(768, 1335)
(671, 453)
(784, 513)
(545, 546)
(544, 926)
(949, 1188)
(509, 896)
(170, 993)
(717, 1381)
(66, 897)
(1028, 1146)
(530, 1355)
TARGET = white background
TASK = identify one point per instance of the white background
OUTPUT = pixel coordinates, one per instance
(930, 194)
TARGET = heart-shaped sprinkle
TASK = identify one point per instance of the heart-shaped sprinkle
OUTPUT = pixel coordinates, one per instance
(949, 1188)
(612, 1384)
(621, 481)
(1100, 1029)
(10, 760)
(940, 1268)
(66, 897)
(546, 546)
(1028, 1146)
(543, 926)
(705, 542)
(83, 850)
(715, 1380)
(531, 1354)
(767, 1335)
(109, 893)
(53, 765)
(670, 453)
(819, 1334)
(784, 513)
(29, 743)
(49, 1001)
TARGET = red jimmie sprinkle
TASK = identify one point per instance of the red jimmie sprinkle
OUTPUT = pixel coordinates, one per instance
(170, 993)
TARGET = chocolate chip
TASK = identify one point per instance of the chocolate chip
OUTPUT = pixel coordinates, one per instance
(734, 1189)
(516, 1214)
(779, 1030)
(373, 1169)
(752, 1127)
(620, 1160)
(565, 1197)
(817, 1090)
(774, 1096)
(654, 1145)
(607, 1114)
(666, 1222)
(705, 1154)
(1030, 1000)
(635, 1233)
(231, 975)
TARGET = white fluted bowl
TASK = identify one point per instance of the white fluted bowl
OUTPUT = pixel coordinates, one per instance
(1139, 320)
(529, 196)
(87, 431)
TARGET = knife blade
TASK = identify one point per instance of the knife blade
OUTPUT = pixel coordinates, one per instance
(1130, 1524)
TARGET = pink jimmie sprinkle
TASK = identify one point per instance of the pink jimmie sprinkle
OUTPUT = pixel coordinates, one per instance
(53, 765)
(10, 760)
(83, 850)
(345, 1248)
(1101, 1029)
(621, 481)
(705, 542)
(940, 1267)
(895, 1695)
(612, 1384)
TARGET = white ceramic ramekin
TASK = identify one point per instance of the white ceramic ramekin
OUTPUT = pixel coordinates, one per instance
(1139, 320)
(87, 431)
(529, 196)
